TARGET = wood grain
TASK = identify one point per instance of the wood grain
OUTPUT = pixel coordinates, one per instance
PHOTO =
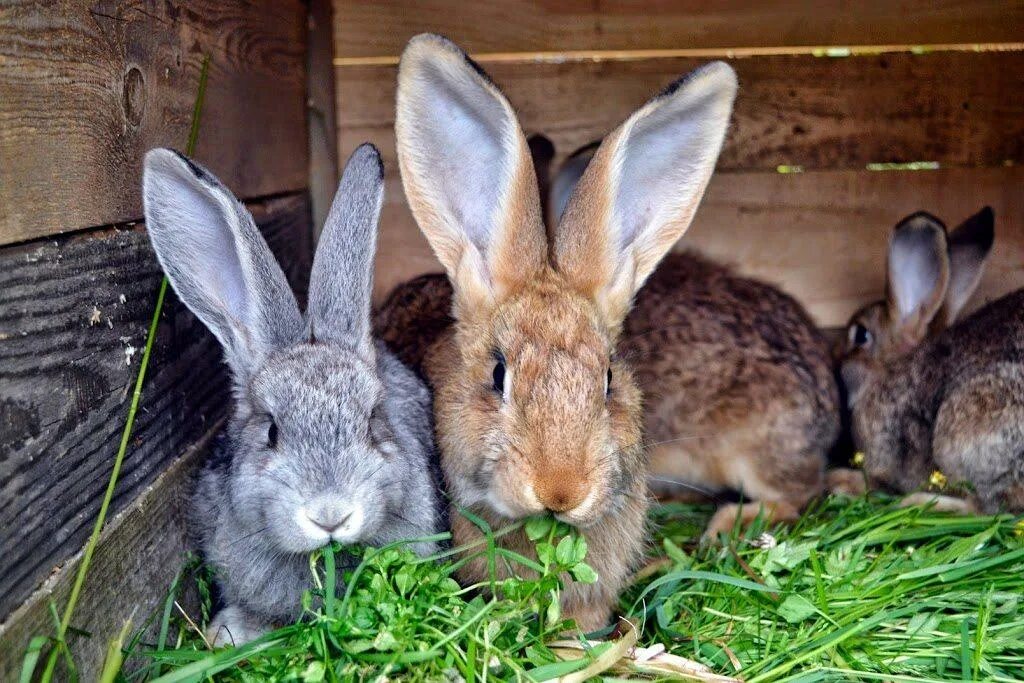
(958, 109)
(139, 553)
(381, 27)
(324, 170)
(821, 236)
(74, 315)
(87, 86)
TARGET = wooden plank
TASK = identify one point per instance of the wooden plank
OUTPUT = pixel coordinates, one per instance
(323, 131)
(955, 108)
(381, 27)
(74, 315)
(821, 236)
(139, 553)
(87, 87)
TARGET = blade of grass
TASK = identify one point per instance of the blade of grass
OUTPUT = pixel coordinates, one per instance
(90, 546)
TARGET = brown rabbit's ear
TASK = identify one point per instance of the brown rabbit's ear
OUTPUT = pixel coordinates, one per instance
(467, 172)
(642, 187)
(969, 247)
(918, 275)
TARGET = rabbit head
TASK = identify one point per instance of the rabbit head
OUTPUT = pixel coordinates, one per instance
(534, 412)
(930, 277)
(312, 453)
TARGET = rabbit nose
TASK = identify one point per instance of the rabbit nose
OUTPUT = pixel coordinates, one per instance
(330, 520)
(561, 492)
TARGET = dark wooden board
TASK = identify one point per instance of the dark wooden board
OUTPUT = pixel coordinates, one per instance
(960, 109)
(381, 27)
(822, 236)
(87, 86)
(70, 312)
(139, 553)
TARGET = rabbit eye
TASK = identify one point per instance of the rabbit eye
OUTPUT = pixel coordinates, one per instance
(860, 336)
(608, 383)
(498, 374)
(272, 434)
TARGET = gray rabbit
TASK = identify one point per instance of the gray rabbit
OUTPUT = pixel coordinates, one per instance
(331, 436)
(927, 394)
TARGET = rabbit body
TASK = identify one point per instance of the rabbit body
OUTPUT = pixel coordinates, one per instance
(954, 404)
(331, 437)
(739, 392)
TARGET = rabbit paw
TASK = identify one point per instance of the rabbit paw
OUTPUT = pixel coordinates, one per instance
(727, 517)
(846, 482)
(234, 626)
(940, 503)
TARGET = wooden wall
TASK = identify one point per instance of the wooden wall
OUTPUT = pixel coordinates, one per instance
(917, 82)
(86, 87)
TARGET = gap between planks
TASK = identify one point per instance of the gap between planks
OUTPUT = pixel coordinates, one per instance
(828, 51)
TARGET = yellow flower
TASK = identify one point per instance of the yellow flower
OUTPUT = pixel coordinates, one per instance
(1018, 529)
(858, 459)
(937, 480)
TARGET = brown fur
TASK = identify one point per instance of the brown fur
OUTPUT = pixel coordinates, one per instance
(952, 403)
(737, 381)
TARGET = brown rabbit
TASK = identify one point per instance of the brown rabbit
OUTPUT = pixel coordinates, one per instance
(927, 394)
(534, 412)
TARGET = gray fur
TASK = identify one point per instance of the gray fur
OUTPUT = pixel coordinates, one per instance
(354, 455)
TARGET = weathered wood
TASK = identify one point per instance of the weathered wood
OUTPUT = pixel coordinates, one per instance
(87, 87)
(74, 315)
(381, 27)
(139, 553)
(955, 108)
(821, 236)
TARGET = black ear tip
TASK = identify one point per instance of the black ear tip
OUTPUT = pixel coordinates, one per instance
(979, 229)
(367, 160)
(920, 220)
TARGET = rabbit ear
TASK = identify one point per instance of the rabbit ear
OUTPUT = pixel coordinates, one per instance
(467, 172)
(341, 282)
(568, 177)
(641, 189)
(918, 274)
(217, 261)
(969, 248)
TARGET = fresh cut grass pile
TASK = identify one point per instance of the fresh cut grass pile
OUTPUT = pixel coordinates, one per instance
(857, 590)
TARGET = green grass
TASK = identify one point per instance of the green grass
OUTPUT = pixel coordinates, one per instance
(857, 590)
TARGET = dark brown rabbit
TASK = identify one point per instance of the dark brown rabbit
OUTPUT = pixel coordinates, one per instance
(928, 395)
(739, 390)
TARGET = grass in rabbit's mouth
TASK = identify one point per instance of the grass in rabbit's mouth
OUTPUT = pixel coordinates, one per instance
(857, 590)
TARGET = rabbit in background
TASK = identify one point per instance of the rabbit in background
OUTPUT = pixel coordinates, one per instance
(535, 411)
(928, 393)
(331, 437)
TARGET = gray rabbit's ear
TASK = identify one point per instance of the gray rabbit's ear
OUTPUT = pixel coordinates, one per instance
(918, 274)
(969, 248)
(341, 283)
(217, 261)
